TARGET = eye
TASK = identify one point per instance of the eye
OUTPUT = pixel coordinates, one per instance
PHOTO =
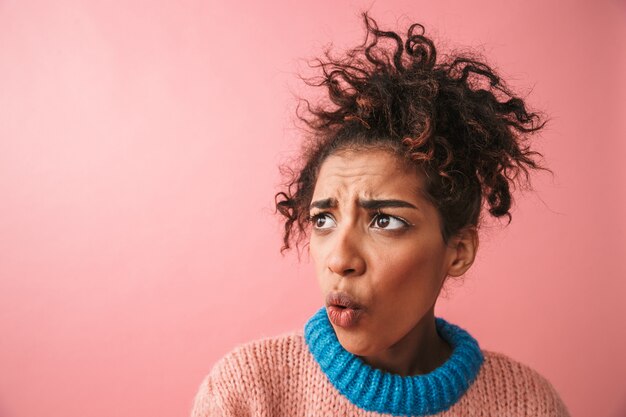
(323, 221)
(387, 222)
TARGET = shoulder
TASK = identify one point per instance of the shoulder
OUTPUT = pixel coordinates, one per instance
(262, 355)
(241, 381)
(517, 387)
(515, 373)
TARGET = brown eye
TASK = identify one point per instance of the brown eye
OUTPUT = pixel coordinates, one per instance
(387, 222)
(382, 221)
(323, 221)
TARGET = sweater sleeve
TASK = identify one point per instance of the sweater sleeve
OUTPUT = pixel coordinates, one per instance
(221, 393)
(549, 402)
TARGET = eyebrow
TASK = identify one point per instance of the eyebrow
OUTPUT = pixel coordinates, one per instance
(378, 204)
(324, 204)
(366, 204)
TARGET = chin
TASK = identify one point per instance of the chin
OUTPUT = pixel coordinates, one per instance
(356, 345)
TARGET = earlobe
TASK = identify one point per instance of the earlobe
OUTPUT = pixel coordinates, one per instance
(464, 247)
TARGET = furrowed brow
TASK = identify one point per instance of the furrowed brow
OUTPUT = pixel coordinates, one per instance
(378, 204)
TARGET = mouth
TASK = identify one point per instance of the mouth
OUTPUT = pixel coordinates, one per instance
(343, 301)
(343, 310)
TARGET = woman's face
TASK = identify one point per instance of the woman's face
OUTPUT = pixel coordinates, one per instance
(377, 238)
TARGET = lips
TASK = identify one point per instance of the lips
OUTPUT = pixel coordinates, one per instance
(342, 300)
(343, 310)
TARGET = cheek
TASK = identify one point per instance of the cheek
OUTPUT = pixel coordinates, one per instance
(413, 276)
(317, 257)
(314, 253)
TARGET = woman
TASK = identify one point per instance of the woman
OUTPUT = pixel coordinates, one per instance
(389, 197)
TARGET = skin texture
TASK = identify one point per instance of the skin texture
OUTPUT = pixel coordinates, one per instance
(392, 260)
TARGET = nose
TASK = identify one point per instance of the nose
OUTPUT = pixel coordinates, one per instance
(346, 258)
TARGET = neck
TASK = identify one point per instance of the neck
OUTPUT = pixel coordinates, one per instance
(420, 351)
(383, 392)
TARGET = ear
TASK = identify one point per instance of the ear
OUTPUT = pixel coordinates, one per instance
(462, 249)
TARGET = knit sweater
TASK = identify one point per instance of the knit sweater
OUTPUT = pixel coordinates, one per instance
(308, 373)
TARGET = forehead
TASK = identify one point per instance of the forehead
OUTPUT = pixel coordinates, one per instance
(367, 173)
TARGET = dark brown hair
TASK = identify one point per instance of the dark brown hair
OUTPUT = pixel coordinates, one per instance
(455, 119)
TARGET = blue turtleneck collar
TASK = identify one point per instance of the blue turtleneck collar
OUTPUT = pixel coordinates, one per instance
(375, 390)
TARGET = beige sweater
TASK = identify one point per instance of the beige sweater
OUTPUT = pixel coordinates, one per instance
(279, 376)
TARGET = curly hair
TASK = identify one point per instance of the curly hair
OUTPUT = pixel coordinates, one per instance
(454, 119)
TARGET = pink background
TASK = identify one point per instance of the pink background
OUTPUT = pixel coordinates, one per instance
(139, 145)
